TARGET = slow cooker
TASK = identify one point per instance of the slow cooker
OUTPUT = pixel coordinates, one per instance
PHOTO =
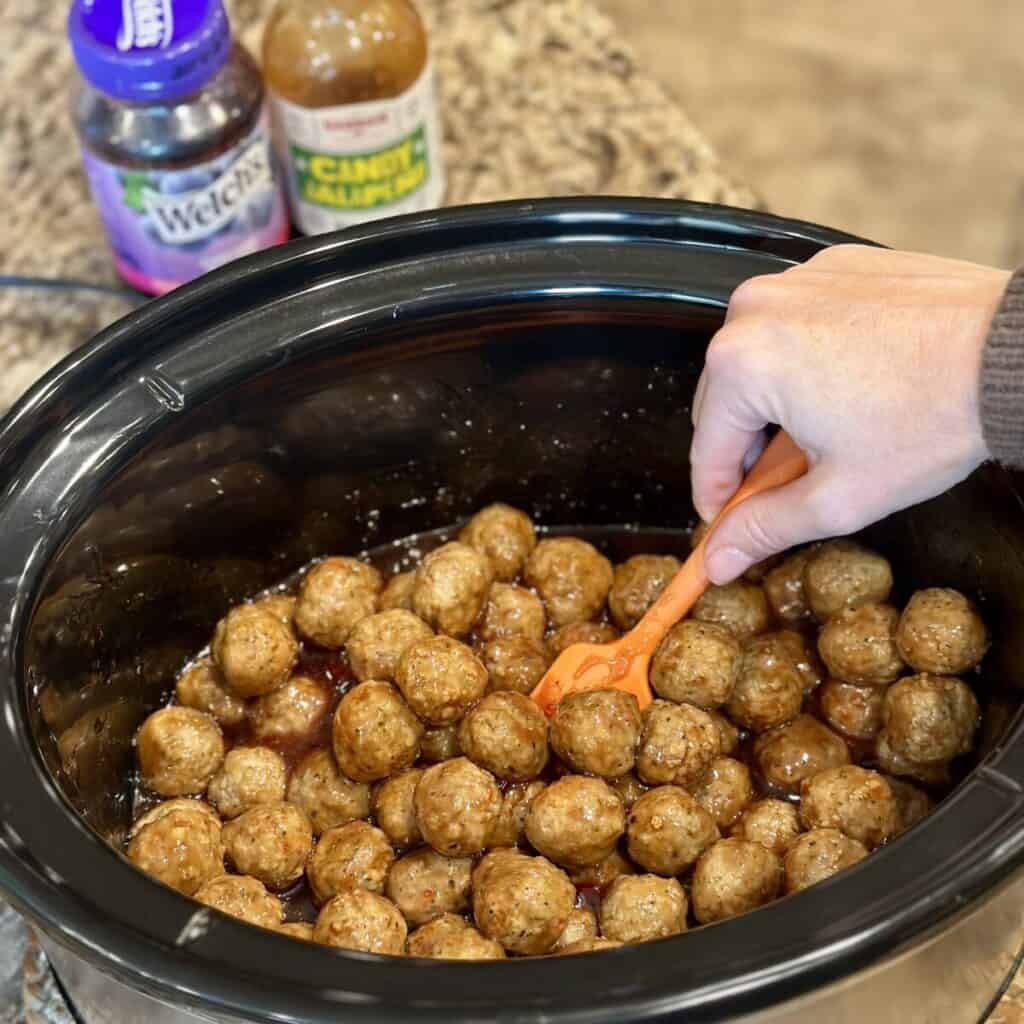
(334, 394)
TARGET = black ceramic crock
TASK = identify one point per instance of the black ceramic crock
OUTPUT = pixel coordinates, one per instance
(337, 393)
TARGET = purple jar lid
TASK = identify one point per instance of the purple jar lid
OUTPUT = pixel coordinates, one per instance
(142, 50)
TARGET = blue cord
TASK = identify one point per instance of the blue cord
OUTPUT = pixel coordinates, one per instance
(71, 284)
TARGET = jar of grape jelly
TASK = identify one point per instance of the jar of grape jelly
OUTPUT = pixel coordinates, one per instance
(175, 138)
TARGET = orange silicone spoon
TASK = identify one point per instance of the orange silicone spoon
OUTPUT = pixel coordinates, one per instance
(622, 665)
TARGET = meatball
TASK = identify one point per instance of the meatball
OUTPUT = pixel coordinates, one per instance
(855, 711)
(326, 796)
(375, 733)
(514, 663)
(377, 643)
(254, 650)
(858, 645)
(580, 633)
(794, 752)
(177, 804)
(841, 575)
(450, 937)
(249, 776)
(940, 631)
(425, 884)
(270, 843)
(739, 606)
(202, 687)
(507, 734)
(677, 744)
(732, 877)
(818, 855)
(576, 821)
(293, 712)
(179, 750)
(521, 902)
(596, 732)
(356, 854)
(572, 577)
(502, 534)
(774, 824)
(769, 690)
(242, 897)
(441, 743)
(636, 584)
(912, 804)
(784, 588)
(854, 800)
(638, 908)
(297, 930)
(725, 790)
(457, 807)
(728, 734)
(398, 592)
(593, 945)
(793, 647)
(929, 718)
(333, 596)
(512, 611)
(180, 847)
(603, 873)
(281, 605)
(450, 588)
(931, 773)
(510, 828)
(394, 807)
(441, 679)
(582, 925)
(668, 830)
(629, 788)
(696, 663)
(362, 920)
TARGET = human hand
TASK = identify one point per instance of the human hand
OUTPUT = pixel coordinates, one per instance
(870, 358)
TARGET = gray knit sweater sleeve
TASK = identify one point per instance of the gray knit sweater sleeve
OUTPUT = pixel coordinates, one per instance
(1002, 378)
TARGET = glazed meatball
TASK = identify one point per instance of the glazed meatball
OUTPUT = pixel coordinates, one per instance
(818, 855)
(639, 908)
(512, 611)
(504, 536)
(784, 588)
(254, 650)
(572, 577)
(596, 732)
(940, 631)
(931, 773)
(202, 687)
(352, 855)
(803, 656)
(450, 937)
(728, 734)
(510, 828)
(377, 643)
(281, 605)
(725, 790)
(333, 596)
(450, 588)
(523, 903)
(582, 925)
(636, 584)
(375, 733)
(249, 776)
(324, 794)
(441, 743)
(629, 788)
(270, 843)
(732, 877)
(854, 800)
(841, 575)
(394, 807)
(600, 875)
(912, 804)
(677, 744)
(855, 711)
(739, 606)
(398, 592)
(593, 945)
(179, 750)
(576, 821)
(242, 897)
(180, 847)
(457, 807)
(774, 824)
(165, 807)
(362, 920)
(507, 734)
(514, 663)
(441, 679)
(580, 633)
(294, 711)
(929, 718)
(425, 884)
(788, 755)
(858, 645)
(297, 930)
(668, 830)
(696, 663)
(769, 689)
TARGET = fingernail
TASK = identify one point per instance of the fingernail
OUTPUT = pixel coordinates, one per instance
(723, 565)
